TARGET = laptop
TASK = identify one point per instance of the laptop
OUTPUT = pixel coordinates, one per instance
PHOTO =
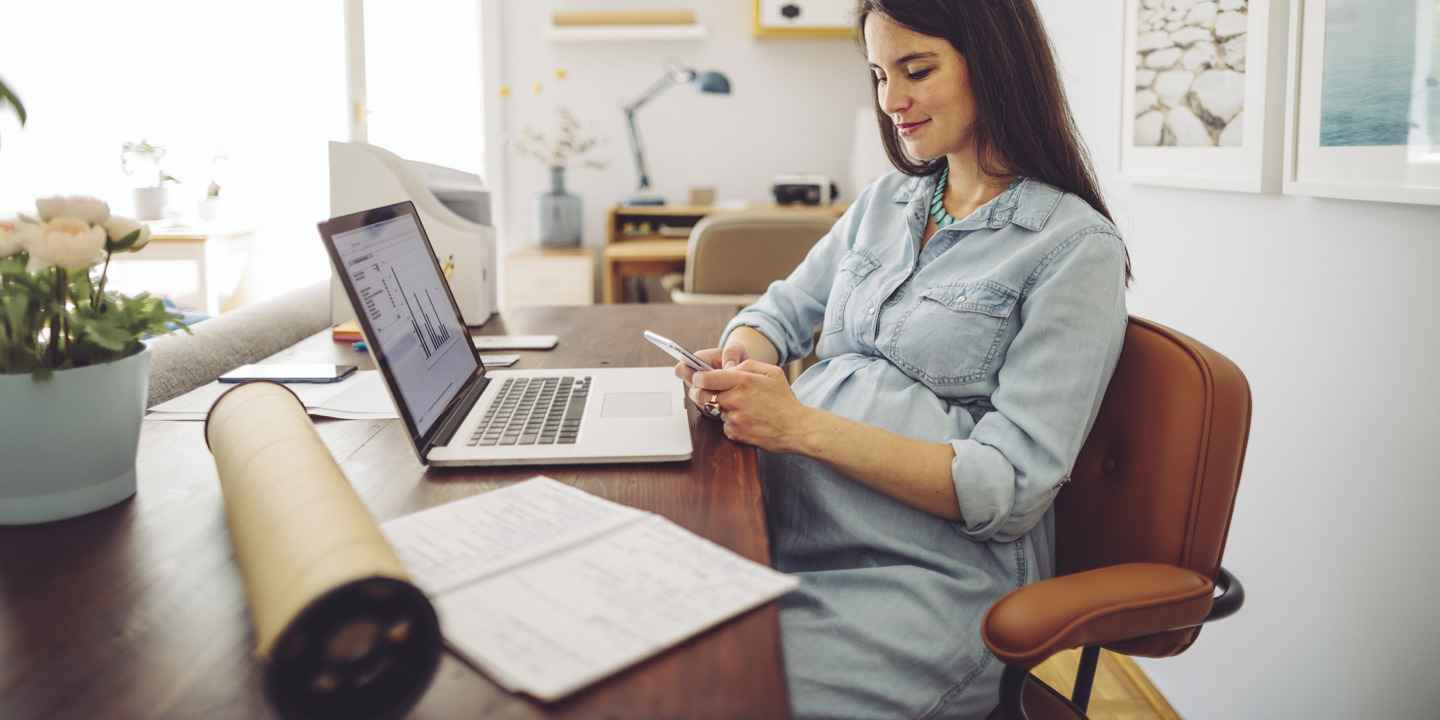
(456, 412)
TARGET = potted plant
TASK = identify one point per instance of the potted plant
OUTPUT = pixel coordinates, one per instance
(142, 160)
(74, 373)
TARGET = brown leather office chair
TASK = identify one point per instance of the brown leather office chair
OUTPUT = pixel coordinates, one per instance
(734, 256)
(1140, 529)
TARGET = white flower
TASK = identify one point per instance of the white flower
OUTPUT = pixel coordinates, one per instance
(89, 209)
(12, 235)
(118, 227)
(68, 242)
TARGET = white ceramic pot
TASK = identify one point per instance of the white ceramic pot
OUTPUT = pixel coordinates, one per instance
(150, 203)
(67, 444)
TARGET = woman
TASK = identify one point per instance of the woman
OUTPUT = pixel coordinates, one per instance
(971, 310)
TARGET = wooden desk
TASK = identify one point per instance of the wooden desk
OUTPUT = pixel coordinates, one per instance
(138, 611)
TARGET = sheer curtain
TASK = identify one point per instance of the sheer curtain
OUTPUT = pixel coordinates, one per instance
(259, 84)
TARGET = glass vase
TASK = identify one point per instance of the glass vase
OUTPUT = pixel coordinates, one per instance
(555, 218)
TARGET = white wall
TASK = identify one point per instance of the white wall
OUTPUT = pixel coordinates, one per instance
(791, 109)
(1328, 306)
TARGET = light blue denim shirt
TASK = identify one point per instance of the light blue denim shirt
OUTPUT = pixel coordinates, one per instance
(998, 338)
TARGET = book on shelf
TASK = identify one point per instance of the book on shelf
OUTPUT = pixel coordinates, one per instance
(548, 589)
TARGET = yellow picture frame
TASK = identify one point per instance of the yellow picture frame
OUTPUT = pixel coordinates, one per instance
(764, 30)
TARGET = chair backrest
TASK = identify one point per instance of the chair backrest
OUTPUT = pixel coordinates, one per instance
(743, 252)
(1156, 479)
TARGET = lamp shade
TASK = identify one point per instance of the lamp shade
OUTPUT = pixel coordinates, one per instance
(711, 82)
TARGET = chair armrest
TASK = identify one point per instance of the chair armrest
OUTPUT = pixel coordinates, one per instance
(1094, 607)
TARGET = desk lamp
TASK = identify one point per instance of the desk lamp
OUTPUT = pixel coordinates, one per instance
(706, 82)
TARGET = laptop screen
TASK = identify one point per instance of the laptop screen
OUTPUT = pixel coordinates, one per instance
(411, 322)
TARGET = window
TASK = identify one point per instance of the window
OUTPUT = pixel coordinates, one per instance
(261, 83)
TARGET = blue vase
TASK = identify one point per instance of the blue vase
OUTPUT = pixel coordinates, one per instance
(556, 214)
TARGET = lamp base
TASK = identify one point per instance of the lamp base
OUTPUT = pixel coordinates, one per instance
(641, 200)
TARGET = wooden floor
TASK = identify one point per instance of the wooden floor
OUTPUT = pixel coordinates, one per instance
(1121, 690)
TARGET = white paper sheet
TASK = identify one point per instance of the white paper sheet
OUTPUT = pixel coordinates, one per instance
(362, 396)
(456, 544)
(567, 588)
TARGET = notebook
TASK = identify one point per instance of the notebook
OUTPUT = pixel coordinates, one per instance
(457, 413)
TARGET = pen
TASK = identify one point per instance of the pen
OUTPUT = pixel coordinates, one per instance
(448, 267)
(361, 346)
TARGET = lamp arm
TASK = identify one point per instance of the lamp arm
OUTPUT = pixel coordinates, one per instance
(661, 85)
(674, 75)
(637, 148)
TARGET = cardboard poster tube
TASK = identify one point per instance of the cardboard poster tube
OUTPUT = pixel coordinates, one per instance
(342, 631)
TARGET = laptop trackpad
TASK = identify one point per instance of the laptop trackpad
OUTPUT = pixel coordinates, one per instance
(636, 404)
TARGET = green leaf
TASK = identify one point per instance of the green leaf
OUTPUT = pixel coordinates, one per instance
(125, 243)
(8, 96)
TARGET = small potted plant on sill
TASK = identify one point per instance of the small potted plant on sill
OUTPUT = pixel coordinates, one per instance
(142, 160)
(74, 372)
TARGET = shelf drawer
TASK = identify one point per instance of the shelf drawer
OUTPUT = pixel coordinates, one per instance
(534, 279)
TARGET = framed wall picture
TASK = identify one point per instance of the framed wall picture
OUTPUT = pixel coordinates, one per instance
(803, 18)
(1365, 101)
(1203, 95)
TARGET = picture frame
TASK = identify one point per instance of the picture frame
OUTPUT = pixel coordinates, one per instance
(1203, 103)
(803, 18)
(1340, 147)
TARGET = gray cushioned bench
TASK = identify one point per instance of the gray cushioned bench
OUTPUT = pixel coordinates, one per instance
(180, 363)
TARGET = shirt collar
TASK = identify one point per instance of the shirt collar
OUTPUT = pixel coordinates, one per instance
(1028, 204)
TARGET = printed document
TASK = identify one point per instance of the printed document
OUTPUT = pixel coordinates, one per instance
(548, 589)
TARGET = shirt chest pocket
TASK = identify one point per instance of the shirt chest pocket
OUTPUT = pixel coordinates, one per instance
(954, 333)
(856, 264)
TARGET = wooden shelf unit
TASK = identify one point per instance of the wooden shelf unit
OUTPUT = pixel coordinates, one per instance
(636, 244)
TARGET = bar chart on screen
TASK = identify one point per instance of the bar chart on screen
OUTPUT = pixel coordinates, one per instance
(414, 327)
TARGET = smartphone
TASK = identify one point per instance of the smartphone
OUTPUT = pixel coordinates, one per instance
(677, 352)
(307, 373)
(514, 342)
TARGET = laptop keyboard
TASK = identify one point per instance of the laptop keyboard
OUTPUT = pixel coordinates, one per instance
(534, 411)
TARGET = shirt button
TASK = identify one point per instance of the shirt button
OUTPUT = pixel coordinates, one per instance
(1002, 216)
(872, 311)
(960, 299)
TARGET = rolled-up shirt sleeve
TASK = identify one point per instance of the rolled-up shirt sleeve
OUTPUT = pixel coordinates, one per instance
(1049, 387)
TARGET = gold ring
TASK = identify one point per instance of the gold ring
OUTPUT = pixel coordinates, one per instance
(712, 408)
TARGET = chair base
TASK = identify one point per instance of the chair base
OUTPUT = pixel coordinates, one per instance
(1042, 703)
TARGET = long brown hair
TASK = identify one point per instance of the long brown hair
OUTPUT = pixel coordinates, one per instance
(1023, 124)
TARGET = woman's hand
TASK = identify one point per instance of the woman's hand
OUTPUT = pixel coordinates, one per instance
(756, 403)
(731, 355)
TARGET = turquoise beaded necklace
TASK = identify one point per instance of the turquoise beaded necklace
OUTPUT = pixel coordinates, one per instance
(937, 204)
